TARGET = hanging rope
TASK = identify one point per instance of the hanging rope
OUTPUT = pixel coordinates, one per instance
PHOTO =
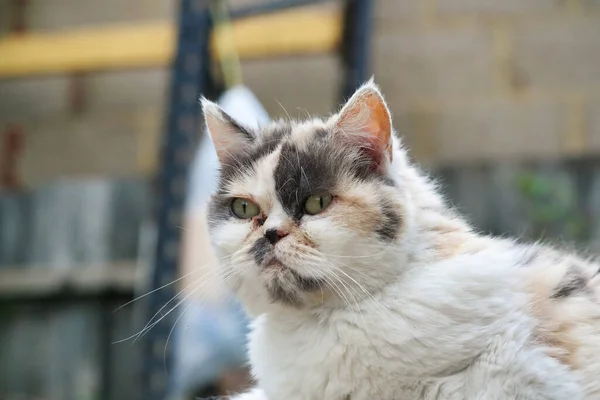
(225, 44)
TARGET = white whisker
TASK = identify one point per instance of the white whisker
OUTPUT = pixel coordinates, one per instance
(150, 324)
(194, 271)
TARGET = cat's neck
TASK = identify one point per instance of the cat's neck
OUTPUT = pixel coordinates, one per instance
(440, 232)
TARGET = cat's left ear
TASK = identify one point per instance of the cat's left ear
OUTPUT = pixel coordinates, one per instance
(365, 121)
(228, 136)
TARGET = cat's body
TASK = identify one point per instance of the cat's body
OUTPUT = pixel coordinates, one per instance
(384, 292)
(480, 338)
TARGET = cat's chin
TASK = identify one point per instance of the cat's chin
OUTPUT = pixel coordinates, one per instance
(275, 265)
(287, 286)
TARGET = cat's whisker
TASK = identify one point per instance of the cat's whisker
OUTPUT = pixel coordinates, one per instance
(331, 282)
(147, 329)
(194, 271)
(388, 246)
(355, 307)
(351, 278)
(195, 282)
(334, 286)
(170, 333)
(347, 287)
(320, 255)
(284, 110)
(186, 298)
(333, 279)
(361, 287)
(224, 280)
(150, 324)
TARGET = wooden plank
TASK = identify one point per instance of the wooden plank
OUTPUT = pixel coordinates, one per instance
(152, 44)
(287, 33)
(87, 280)
(142, 45)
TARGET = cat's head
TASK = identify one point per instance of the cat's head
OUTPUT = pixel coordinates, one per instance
(309, 212)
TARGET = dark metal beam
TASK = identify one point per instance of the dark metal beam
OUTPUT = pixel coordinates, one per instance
(190, 77)
(356, 45)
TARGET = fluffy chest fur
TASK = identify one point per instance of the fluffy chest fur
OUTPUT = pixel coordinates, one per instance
(435, 335)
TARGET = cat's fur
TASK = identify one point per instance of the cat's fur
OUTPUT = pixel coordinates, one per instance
(389, 294)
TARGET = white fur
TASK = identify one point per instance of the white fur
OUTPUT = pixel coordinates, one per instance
(412, 325)
(453, 329)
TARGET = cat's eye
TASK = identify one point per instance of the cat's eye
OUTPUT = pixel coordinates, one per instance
(244, 209)
(317, 203)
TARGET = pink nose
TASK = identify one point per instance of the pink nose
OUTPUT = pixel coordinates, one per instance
(275, 235)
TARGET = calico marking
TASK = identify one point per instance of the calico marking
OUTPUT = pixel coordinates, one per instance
(300, 174)
(267, 144)
(388, 229)
(307, 284)
(260, 249)
(278, 293)
(571, 283)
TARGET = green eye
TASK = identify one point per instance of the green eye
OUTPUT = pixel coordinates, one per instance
(317, 203)
(244, 209)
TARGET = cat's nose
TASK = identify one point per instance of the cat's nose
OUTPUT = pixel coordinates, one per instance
(275, 235)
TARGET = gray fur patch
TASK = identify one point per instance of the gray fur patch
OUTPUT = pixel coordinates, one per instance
(265, 145)
(260, 250)
(388, 228)
(307, 284)
(278, 293)
(300, 174)
(219, 209)
(571, 283)
(285, 292)
(314, 170)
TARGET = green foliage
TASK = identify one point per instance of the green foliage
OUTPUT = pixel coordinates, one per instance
(553, 207)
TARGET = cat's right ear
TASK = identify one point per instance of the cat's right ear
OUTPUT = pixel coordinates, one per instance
(228, 136)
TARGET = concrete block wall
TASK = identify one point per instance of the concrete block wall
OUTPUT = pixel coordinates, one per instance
(474, 80)
(115, 133)
(468, 81)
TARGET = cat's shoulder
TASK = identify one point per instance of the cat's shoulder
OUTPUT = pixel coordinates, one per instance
(552, 272)
(564, 300)
(562, 293)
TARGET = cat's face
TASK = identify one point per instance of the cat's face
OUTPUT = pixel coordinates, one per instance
(306, 213)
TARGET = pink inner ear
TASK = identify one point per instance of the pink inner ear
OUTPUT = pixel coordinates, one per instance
(379, 125)
(367, 116)
(375, 153)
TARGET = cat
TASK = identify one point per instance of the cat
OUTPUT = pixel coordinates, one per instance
(363, 283)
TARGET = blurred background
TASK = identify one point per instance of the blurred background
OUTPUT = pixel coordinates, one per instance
(105, 168)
